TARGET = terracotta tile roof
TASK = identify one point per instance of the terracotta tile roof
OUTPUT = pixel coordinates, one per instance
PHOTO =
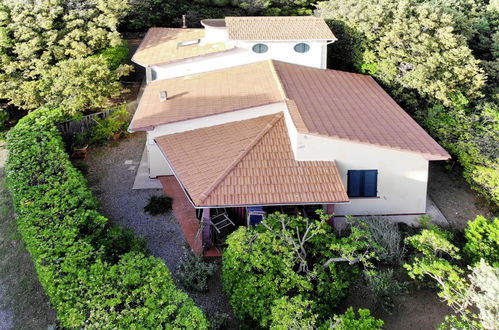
(207, 94)
(330, 103)
(352, 107)
(161, 45)
(248, 162)
(278, 28)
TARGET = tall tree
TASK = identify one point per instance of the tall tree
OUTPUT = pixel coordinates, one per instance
(409, 45)
(36, 35)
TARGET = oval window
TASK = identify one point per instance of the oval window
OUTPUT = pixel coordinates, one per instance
(302, 48)
(260, 48)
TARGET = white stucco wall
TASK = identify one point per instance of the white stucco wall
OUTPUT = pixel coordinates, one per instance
(157, 163)
(242, 54)
(402, 176)
(215, 34)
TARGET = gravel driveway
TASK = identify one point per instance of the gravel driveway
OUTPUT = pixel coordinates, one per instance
(111, 172)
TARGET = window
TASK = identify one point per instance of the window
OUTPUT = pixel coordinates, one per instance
(260, 48)
(154, 74)
(362, 183)
(302, 48)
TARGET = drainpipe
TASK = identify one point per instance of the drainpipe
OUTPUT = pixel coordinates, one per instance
(324, 53)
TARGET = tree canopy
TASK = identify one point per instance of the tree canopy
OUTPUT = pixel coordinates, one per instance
(48, 40)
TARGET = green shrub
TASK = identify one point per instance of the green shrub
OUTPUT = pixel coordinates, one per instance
(265, 263)
(218, 320)
(95, 275)
(4, 118)
(349, 320)
(193, 273)
(115, 56)
(294, 313)
(473, 298)
(385, 288)
(115, 123)
(482, 237)
(158, 205)
(387, 235)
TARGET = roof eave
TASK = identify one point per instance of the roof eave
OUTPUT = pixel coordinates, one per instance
(269, 204)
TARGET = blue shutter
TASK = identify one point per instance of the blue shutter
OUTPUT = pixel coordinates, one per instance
(354, 183)
(370, 183)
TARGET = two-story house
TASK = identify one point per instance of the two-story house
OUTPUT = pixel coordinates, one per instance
(246, 117)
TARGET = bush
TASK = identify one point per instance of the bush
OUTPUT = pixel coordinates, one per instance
(193, 273)
(349, 320)
(482, 237)
(387, 235)
(218, 320)
(473, 298)
(115, 56)
(96, 276)
(294, 313)
(4, 118)
(385, 288)
(158, 205)
(115, 123)
(265, 263)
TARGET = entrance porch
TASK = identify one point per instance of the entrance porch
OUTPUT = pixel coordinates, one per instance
(205, 229)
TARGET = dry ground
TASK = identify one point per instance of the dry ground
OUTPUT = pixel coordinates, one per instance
(454, 197)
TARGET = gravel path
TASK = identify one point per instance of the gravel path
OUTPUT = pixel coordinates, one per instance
(111, 172)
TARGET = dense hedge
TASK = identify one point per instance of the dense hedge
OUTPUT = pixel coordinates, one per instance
(482, 240)
(96, 276)
(285, 270)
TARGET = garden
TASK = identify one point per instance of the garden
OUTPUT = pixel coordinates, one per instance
(61, 63)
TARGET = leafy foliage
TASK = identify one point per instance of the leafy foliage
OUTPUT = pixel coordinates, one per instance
(409, 45)
(75, 85)
(115, 56)
(482, 237)
(96, 275)
(158, 205)
(45, 48)
(193, 273)
(349, 320)
(148, 13)
(288, 256)
(294, 313)
(387, 235)
(116, 123)
(385, 288)
(465, 295)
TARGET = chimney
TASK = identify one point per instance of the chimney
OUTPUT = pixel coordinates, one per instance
(184, 24)
(163, 96)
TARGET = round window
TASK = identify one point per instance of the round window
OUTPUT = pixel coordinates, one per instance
(260, 48)
(302, 48)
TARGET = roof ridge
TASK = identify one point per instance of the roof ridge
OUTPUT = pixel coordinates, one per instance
(238, 159)
(277, 78)
(296, 117)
